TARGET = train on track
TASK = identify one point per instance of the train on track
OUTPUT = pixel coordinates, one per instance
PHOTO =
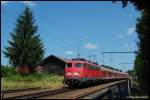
(79, 72)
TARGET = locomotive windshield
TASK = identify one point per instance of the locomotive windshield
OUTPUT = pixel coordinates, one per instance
(69, 64)
(78, 65)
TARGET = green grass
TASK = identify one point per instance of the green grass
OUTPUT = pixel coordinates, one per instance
(33, 80)
(10, 79)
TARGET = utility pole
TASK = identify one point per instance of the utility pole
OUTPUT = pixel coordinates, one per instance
(103, 58)
(125, 65)
(78, 49)
(116, 52)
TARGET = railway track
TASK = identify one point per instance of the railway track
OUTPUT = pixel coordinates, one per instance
(9, 91)
(63, 93)
(20, 90)
(30, 93)
(81, 93)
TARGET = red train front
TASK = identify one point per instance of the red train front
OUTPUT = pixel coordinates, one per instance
(82, 72)
(74, 72)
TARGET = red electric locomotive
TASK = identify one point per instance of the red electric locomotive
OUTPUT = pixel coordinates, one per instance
(80, 71)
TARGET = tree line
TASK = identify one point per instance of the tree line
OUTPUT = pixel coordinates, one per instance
(141, 63)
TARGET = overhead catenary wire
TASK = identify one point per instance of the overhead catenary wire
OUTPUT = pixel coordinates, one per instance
(56, 26)
(54, 38)
(59, 40)
(61, 30)
(47, 20)
(14, 23)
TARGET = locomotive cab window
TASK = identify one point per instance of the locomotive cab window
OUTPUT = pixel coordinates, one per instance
(78, 65)
(69, 65)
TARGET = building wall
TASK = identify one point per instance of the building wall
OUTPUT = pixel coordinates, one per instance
(53, 68)
(53, 65)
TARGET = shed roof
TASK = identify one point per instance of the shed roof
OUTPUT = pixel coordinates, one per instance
(54, 56)
(61, 58)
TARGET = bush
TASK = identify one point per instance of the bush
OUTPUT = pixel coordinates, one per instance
(7, 71)
(12, 80)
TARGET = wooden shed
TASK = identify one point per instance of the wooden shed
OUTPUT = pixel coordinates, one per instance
(53, 65)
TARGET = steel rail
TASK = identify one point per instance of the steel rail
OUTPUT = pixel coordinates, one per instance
(17, 90)
(39, 94)
(75, 93)
(20, 90)
(103, 88)
(83, 92)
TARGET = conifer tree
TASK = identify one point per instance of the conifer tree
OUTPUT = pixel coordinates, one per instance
(25, 47)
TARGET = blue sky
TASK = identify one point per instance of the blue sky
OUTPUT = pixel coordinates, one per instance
(100, 26)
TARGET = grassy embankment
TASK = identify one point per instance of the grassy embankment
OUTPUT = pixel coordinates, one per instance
(13, 80)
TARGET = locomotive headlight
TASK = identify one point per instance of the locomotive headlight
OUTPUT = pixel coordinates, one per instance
(68, 73)
(76, 73)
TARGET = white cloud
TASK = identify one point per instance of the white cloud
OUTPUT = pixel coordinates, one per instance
(69, 52)
(90, 46)
(29, 3)
(120, 36)
(130, 31)
(4, 2)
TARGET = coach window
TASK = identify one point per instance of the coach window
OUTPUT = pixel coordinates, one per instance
(69, 65)
(78, 65)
